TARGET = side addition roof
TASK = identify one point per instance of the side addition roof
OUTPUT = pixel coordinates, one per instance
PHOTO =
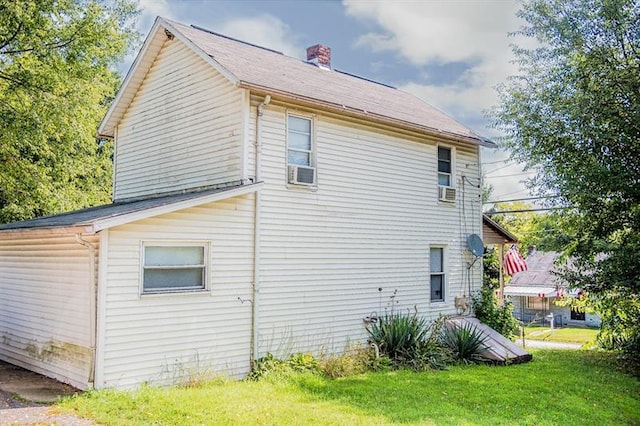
(95, 219)
(266, 71)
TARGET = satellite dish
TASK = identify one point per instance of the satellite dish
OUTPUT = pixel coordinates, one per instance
(475, 245)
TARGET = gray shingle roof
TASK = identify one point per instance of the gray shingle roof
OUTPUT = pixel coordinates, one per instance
(90, 216)
(540, 268)
(265, 68)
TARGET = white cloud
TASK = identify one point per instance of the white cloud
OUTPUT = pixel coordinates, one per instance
(149, 10)
(264, 30)
(445, 32)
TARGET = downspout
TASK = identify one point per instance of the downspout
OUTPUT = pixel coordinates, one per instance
(93, 301)
(255, 311)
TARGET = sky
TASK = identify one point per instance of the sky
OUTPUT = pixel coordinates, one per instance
(450, 53)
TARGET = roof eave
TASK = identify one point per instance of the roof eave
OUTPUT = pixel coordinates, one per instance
(499, 229)
(110, 222)
(342, 109)
(52, 231)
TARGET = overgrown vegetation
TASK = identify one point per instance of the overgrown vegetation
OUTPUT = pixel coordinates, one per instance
(557, 387)
(410, 341)
(570, 115)
(58, 73)
(489, 311)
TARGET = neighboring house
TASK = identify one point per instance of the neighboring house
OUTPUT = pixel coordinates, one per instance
(261, 204)
(534, 293)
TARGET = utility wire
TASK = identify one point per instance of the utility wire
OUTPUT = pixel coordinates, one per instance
(490, 213)
(521, 199)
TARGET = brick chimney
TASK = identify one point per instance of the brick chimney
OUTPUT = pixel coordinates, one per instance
(319, 55)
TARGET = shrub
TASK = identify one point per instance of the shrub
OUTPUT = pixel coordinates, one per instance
(489, 311)
(354, 361)
(398, 335)
(466, 343)
(270, 365)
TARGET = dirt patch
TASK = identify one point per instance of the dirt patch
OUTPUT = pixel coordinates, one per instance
(26, 398)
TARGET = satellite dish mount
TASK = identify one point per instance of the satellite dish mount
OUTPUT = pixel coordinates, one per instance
(476, 247)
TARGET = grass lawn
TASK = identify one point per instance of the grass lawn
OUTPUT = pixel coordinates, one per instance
(564, 334)
(556, 388)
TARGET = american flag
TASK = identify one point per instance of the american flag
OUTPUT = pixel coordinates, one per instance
(514, 262)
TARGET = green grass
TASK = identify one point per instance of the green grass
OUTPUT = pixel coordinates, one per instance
(557, 387)
(566, 334)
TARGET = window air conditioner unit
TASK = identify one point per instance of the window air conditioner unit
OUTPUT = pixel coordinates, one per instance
(447, 194)
(302, 175)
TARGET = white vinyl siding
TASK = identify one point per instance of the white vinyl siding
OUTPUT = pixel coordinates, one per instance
(326, 254)
(183, 129)
(45, 306)
(167, 338)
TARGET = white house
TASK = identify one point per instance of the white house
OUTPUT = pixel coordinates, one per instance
(534, 294)
(261, 204)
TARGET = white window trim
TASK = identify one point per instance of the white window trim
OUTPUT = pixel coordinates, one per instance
(312, 154)
(206, 245)
(452, 149)
(445, 273)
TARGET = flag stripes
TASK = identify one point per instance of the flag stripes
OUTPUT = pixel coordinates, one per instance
(514, 262)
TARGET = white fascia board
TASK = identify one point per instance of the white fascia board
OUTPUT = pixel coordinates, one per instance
(136, 70)
(172, 207)
(201, 53)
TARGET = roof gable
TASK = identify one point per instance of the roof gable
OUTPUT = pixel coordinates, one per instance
(269, 72)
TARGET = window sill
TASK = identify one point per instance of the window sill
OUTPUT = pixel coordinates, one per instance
(199, 292)
(302, 187)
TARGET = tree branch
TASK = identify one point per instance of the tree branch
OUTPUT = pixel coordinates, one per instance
(13, 37)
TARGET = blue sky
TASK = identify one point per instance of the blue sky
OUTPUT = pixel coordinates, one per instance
(451, 53)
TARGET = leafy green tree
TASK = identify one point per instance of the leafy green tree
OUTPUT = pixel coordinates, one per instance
(572, 114)
(58, 73)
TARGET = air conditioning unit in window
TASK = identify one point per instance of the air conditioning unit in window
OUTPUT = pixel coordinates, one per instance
(302, 175)
(447, 194)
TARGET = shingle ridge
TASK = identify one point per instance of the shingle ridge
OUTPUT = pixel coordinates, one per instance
(236, 40)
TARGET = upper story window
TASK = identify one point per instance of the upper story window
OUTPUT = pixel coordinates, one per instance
(437, 274)
(174, 267)
(444, 166)
(301, 168)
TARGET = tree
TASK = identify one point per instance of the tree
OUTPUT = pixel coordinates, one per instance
(572, 114)
(57, 76)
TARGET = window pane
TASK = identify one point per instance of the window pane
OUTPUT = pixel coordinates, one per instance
(298, 124)
(444, 166)
(166, 279)
(299, 141)
(436, 260)
(444, 179)
(298, 158)
(437, 290)
(173, 256)
(444, 154)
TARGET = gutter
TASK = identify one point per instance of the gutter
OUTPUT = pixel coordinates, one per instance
(255, 305)
(342, 109)
(93, 302)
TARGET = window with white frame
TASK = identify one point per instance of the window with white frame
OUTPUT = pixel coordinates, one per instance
(444, 166)
(300, 150)
(437, 274)
(174, 267)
